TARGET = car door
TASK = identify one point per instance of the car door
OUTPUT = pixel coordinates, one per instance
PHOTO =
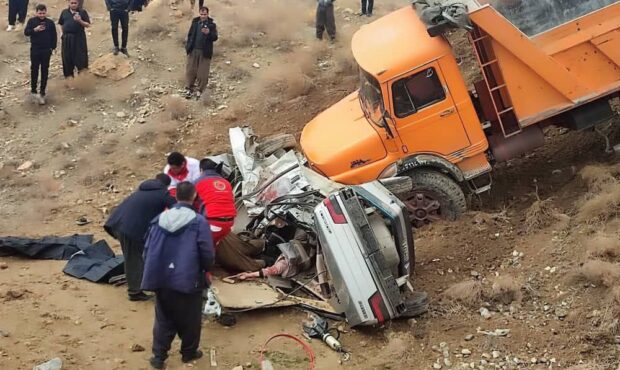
(424, 113)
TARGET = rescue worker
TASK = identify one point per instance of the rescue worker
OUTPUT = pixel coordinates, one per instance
(216, 200)
(43, 41)
(325, 19)
(181, 168)
(367, 6)
(119, 12)
(129, 225)
(199, 48)
(18, 9)
(178, 252)
(74, 48)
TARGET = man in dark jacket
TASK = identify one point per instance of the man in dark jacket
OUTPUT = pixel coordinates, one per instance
(178, 252)
(74, 49)
(199, 47)
(325, 19)
(17, 12)
(43, 40)
(119, 12)
(129, 224)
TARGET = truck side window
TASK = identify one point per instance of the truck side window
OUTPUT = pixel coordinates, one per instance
(416, 92)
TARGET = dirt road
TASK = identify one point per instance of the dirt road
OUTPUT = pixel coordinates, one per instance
(539, 256)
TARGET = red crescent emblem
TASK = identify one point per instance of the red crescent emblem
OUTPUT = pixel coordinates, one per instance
(219, 185)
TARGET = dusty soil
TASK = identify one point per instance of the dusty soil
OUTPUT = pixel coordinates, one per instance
(540, 253)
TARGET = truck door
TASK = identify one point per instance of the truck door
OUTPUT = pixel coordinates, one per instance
(425, 115)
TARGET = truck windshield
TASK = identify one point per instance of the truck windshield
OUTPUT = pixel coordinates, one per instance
(537, 16)
(371, 99)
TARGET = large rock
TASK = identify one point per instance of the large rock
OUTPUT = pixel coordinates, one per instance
(114, 67)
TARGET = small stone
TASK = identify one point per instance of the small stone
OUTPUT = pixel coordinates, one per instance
(137, 348)
(447, 362)
(533, 360)
(474, 273)
(617, 339)
(468, 337)
(238, 367)
(4, 334)
(495, 354)
(25, 166)
(443, 345)
(515, 254)
(485, 313)
(561, 313)
(363, 344)
(436, 366)
(3, 266)
(141, 120)
(121, 114)
(465, 352)
(256, 65)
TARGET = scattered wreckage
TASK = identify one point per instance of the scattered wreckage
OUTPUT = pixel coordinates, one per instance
(357, 252)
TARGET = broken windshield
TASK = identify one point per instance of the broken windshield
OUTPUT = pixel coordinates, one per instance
(537, 16)
(371, 99)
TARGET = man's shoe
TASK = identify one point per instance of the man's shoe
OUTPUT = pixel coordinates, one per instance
(41, 99)
(138, 297)
(188, 93)
(156, 363)
(124, 51)
(115, 50)
(190, 358)
(10, 28)
(369, 14)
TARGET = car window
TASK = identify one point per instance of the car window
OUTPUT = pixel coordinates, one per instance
(415, 92)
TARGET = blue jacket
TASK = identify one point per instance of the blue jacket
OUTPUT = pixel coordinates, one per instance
(134, 215)
(178, 251)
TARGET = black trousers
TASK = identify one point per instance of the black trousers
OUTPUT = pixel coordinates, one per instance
(17, 11)
(201, 3)
(176, 313)
(325, 21)
(121, 16)
(74, 53)
(367, 6)
(39, 60)
(134, 262)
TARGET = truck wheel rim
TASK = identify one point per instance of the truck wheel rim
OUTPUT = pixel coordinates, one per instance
(423, 209)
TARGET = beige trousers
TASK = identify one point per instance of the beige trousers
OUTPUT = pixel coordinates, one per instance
(197, 69)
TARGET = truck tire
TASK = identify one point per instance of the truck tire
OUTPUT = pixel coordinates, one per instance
(435, 196)
(274, 143)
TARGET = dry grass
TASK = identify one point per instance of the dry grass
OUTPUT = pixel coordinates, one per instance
(176, 107)
(604, 247)
(505, 289)
(597, 177)
(602, 206)
(540, 214)
(468, 293)
(599, 273)
(588, 366)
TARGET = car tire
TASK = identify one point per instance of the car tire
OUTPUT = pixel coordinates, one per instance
(274, 143)
(415, 305)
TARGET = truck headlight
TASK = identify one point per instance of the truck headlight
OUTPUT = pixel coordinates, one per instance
(389, 171)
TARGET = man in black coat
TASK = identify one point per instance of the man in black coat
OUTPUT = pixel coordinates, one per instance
(119, 12)
(43, 40)
(199, 47)
(129, 224)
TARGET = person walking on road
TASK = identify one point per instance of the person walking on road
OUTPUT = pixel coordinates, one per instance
(43, 41)
(129, 224)
(367, 7)
(18, 9)
(74, 48)
(325, 19)
(119, 12)
(199, 48)
(178, 252)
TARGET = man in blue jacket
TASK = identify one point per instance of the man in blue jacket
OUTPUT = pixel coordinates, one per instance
(129, 224)
(178, 252)
(119, 12)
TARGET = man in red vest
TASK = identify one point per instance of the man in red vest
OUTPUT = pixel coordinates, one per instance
(216, 200)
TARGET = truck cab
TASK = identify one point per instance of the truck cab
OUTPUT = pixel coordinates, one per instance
(411, 115)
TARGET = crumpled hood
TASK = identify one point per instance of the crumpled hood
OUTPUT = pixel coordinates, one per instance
(152, 185)
(176, 219)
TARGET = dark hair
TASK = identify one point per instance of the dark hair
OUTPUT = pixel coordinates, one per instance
(204, 8)
(176, 159)
(207, 164)
(163, 178)
(185, 191)
(40, 7)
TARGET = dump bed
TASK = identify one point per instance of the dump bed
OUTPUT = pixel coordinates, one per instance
(543, 57)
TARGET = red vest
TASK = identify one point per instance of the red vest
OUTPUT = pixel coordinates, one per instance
(216, 196)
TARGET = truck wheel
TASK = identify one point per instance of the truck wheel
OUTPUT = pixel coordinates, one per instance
(274, 143)
(435, 196)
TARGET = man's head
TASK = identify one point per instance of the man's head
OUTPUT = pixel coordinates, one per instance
(73, 4)
(41, 11)
(208, 164)
(176, 161)
(186, 192)
(204, 13)
(163, 178)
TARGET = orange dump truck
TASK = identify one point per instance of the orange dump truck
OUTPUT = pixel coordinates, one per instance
(542, 62)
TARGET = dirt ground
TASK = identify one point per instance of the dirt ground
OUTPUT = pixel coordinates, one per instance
(529, 279)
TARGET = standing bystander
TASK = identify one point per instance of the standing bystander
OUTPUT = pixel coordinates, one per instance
(199, 48)
(119, 12)
(325, 19)
(74, 48)
(43, 40)
(18, 9)
(367, 6)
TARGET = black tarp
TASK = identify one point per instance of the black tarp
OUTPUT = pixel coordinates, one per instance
(97, 263)
(49, 247)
